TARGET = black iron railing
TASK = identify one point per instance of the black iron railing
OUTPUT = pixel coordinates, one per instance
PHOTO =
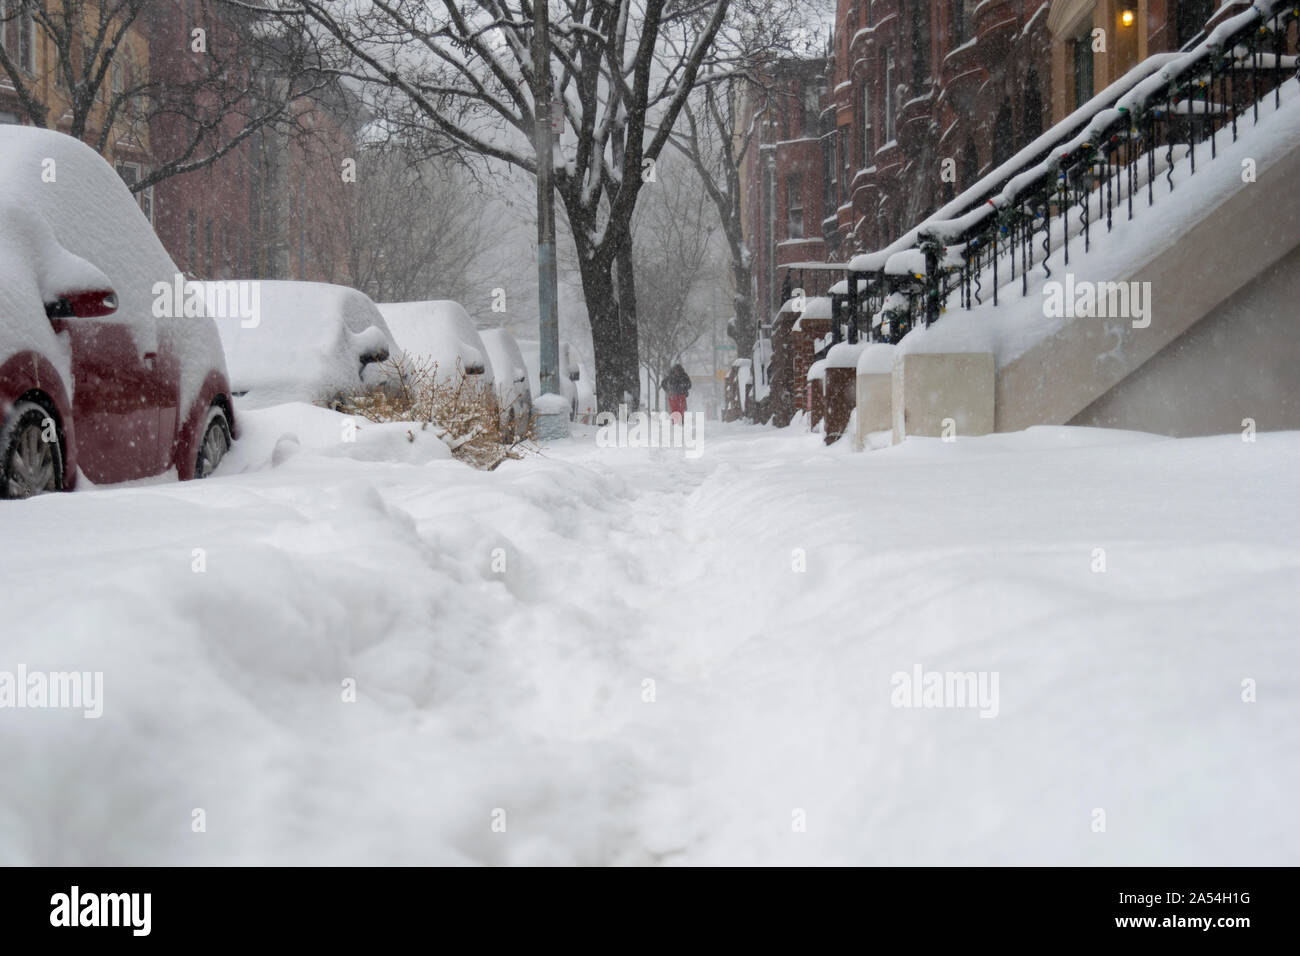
(1096, 168)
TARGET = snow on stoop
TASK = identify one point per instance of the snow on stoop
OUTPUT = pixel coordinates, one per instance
(1189, 252)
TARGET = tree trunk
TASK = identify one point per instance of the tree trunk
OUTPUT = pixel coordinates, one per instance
(745, 331)
(629, 362)
(602, 311)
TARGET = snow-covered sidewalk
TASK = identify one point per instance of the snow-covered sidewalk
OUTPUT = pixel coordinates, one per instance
(609, 655)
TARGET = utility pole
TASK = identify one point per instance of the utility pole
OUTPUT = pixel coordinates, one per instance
(549, 330)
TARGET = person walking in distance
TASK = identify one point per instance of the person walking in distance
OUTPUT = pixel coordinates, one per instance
(678, 386)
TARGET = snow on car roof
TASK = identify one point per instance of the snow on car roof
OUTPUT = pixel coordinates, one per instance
(305, 343)
(503, 353)
(93, 215)
(441, 331)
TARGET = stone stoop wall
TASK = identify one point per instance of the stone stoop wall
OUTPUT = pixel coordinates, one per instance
(1201, 271)
(841, 396)
(816, 403)
(943, 394)
(803, 354)
(785, 397)
(874, 405)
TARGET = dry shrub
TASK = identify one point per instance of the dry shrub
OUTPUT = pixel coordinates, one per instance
(465, 411)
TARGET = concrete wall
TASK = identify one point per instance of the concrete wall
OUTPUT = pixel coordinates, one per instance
(1204, 269)
(1240, 361)
(875, 405)
(936, 395)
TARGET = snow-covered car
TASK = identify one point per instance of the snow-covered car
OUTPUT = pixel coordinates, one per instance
(514, 395)
(440, 333)
(301, 341)
(96, 378)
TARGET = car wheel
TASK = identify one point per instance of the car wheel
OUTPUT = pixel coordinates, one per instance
(216, 442)
(30, 464)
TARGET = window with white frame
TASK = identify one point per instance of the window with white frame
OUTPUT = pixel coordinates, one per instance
(890, 96)
(868, 132)
(811, 109)
(794, 207)
(131, 174)
(17, 34)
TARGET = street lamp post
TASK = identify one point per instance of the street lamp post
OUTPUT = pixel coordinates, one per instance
(549, 330)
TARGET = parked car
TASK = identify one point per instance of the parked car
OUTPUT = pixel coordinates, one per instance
(308, 342)
(514, 395)
(95, 378)
(439, 335)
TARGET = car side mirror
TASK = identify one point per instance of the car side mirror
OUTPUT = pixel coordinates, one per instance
(89, 304)
(373, 356)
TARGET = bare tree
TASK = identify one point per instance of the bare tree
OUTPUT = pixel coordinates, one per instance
(203, 93)
(720, 128)
(418, 229)
(673, 248)
(463, 72)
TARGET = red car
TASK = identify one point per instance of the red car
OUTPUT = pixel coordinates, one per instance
(95, 377)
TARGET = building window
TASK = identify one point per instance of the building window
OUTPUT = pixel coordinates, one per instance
(131, 174)
(960, 28)
(830, 187)
(1003, 147)
(1083, 76)
(890, 98)
(868, 131)
(1033, 109)
(920, 44)
(1191, 16)
(846, 171)
(17, 35)
(794, 207)
(811, 109)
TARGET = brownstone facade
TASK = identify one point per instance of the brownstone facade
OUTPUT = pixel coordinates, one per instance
(918, 100)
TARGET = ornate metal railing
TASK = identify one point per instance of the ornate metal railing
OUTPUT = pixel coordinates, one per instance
(1091, 175)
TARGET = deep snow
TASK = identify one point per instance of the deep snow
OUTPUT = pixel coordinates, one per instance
(523, 690)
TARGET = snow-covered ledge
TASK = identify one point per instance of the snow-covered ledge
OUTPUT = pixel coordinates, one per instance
(942, 394)
(875, 403)
(552, 413)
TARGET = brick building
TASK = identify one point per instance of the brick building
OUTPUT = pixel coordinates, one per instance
(114, 122)
(928, 96)
(275, 205)
(781, 180)
(914, 102)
